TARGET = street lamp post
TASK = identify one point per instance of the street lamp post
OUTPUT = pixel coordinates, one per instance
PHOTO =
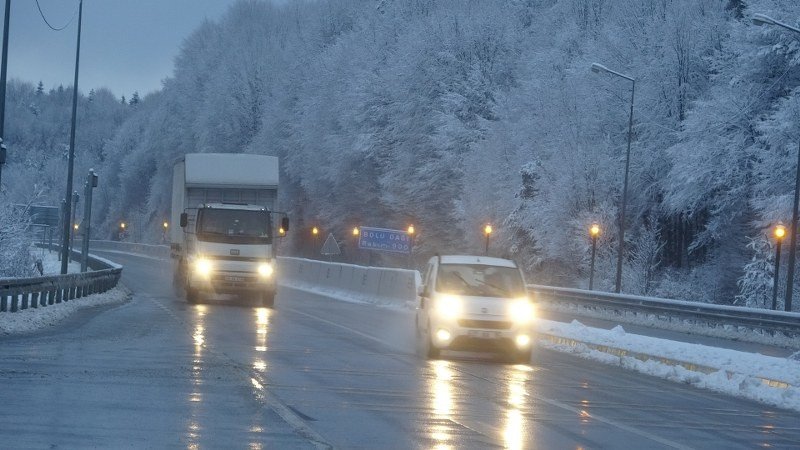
(315, 233)
(598, 68)
(71, 162)
(594, 231)
(356, 235)
(779, 233)
(411, 230)
(762, 19)
(75, 199)
(91, 183)
(487, 230)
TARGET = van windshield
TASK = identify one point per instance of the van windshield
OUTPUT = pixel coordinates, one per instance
(480, 280)
(234, 226)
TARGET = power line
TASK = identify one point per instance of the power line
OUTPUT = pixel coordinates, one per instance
(41, 13)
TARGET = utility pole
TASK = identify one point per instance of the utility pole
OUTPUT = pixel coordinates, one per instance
(71, 164)
(3, 72)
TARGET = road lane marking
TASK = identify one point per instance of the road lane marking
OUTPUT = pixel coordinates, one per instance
(270, 400)
(334, 324)
(285, 412)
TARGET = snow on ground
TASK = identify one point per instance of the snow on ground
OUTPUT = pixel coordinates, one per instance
(33, 319)
(767, 379)
(682, 326)
(51, 263)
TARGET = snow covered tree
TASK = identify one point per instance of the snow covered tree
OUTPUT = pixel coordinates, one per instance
(755, 286)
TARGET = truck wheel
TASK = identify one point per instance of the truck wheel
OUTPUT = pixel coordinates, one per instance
(520, 356)
(192, 296)
(178, 278)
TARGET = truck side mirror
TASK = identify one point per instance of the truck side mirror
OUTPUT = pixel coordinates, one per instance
(285, 224)
(184, 220)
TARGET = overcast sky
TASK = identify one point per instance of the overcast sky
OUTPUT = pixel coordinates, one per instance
(126, 45)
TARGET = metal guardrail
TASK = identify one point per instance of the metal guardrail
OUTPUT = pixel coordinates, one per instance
(17, 294)
(771, 322)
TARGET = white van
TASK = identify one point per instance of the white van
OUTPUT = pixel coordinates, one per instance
(474, 303)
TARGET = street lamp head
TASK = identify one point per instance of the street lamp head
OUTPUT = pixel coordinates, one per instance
(594, 230)
(166, 225)
(487, 230)
(411, 229)
(597, 68)
(356, 231)
(315, 231)
(75, 226)
(281, 231)
(762, 19)
(122, 225)
(779, 232)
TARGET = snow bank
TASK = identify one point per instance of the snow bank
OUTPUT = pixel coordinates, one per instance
(33, 319)
(767, 379)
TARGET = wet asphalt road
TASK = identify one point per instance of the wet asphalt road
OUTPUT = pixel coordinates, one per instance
(158, 373)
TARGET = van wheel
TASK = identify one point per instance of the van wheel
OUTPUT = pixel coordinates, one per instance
(425, 347)
(266, 300)
(433, 352)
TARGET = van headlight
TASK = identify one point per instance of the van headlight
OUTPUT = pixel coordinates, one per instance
(265, 270)
(203, 267)
(521, 310)
(448, 306)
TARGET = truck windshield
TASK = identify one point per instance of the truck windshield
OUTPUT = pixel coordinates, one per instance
(480, 280)
(235, 226)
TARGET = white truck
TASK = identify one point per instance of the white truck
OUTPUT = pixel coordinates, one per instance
(225, 205)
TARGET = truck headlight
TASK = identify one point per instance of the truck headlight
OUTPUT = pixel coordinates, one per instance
(203, 267)
(265, 269)
(521, 310)
(448, 306)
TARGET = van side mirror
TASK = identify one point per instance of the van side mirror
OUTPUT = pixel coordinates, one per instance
(184, 220)
(285, 224)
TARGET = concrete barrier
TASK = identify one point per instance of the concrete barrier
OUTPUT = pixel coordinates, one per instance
(377, 285)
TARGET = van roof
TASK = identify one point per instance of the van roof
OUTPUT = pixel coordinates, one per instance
(473, 259)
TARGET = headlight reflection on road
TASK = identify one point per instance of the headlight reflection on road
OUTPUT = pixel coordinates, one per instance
(442, 403)
(262, 317)
(262, 328)
(514, 428)
(196, 395)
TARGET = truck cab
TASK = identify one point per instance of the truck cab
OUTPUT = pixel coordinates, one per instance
(229, 250)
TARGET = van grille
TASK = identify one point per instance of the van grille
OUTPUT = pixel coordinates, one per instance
(487, 324)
